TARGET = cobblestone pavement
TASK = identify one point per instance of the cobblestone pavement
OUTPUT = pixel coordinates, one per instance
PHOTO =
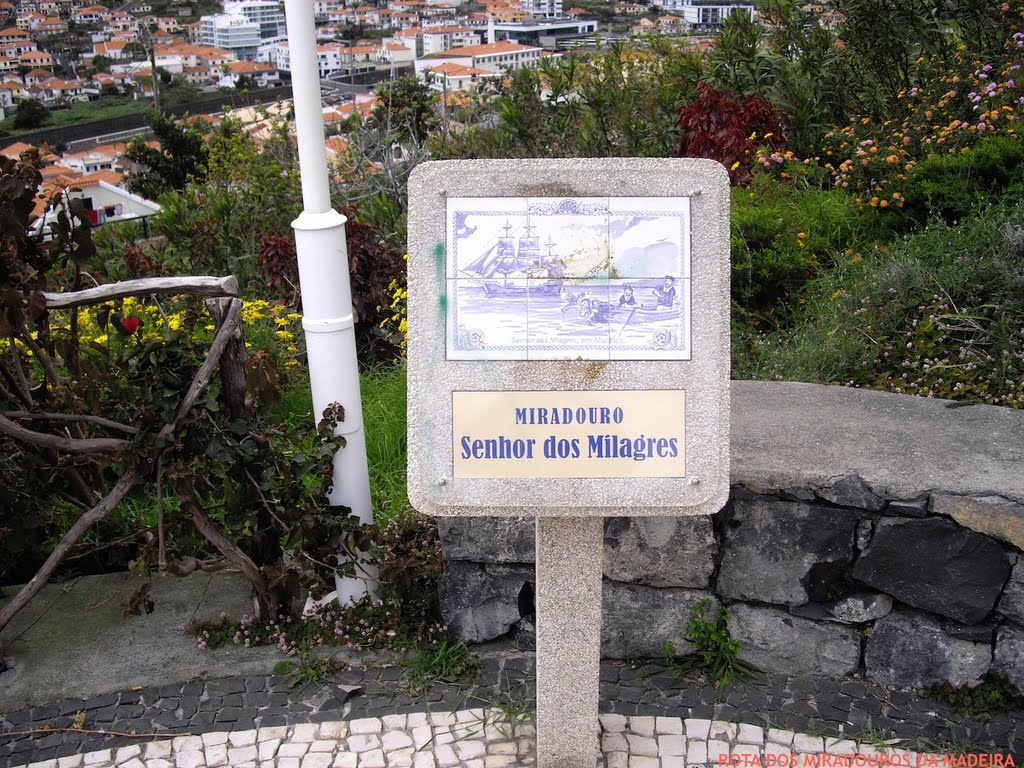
(483, 738)
(366, 718)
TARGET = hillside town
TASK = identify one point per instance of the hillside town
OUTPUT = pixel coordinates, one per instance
(57, 53)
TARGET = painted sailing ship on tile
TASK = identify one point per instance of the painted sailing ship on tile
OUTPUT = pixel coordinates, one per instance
(553, 279)
(508, 266)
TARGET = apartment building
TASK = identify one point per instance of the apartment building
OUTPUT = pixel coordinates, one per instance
(331, 57)
(243, 26)
(543, 9)
(491, 57)
(436, 39)
(707, 14)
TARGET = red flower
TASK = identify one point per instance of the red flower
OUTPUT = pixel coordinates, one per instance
(130, 324)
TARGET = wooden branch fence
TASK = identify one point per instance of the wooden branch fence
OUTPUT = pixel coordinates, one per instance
(227, 351)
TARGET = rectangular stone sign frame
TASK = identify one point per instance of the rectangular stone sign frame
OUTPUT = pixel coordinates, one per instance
(569, 510)
(433, 377)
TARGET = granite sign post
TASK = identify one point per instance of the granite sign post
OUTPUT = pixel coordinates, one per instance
(569, 361)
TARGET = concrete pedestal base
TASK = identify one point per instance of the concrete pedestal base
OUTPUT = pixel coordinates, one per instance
(568, 589)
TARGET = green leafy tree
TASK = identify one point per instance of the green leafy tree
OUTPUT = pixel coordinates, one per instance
(408, 108)
(134, 51)
(177, 90)
(180, 158)
(99, 63)
(623, 102)
(888, 36)
(215, 224)
(30, 114)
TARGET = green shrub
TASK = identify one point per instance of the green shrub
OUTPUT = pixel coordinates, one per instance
(781, 237)
(939, 314)
(952, 186)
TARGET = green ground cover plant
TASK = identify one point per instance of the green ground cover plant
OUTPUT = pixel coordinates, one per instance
(993, 696)
(715, 652)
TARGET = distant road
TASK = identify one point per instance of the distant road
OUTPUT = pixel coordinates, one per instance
(118, 128)
(90, 129)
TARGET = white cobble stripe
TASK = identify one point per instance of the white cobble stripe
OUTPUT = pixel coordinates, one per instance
(477, 738)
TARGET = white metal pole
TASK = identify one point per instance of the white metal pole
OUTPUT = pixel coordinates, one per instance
(326, 290)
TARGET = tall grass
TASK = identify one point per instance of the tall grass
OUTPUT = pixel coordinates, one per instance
(383, 394)
(384, 397)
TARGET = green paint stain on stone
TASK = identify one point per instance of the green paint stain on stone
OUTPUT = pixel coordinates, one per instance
(439, 259)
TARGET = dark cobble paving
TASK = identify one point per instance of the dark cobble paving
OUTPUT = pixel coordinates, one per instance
(840, 709)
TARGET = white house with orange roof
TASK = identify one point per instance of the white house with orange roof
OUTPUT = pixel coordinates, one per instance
(169, 24)
(450, 77)
(105, 200)
(15, 91)
(494, 57)
(9, 94)
(8, 64)
(36, 59)
(212, 57)
(404, 19)
(112, 49)
(395, 54)
(15, 35)
(36, 76)
(121, 22)
(411, 38)
(326, 33)
(91, 14)
(439, 11)
(56, 90)
(259, 73)
(117, 79)
(369, 15)
(105, 157)
(50, 25)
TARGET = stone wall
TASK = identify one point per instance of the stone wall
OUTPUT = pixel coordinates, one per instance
(866, 535)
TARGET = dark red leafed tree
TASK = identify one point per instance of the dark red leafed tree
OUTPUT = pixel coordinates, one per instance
(720, 127)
